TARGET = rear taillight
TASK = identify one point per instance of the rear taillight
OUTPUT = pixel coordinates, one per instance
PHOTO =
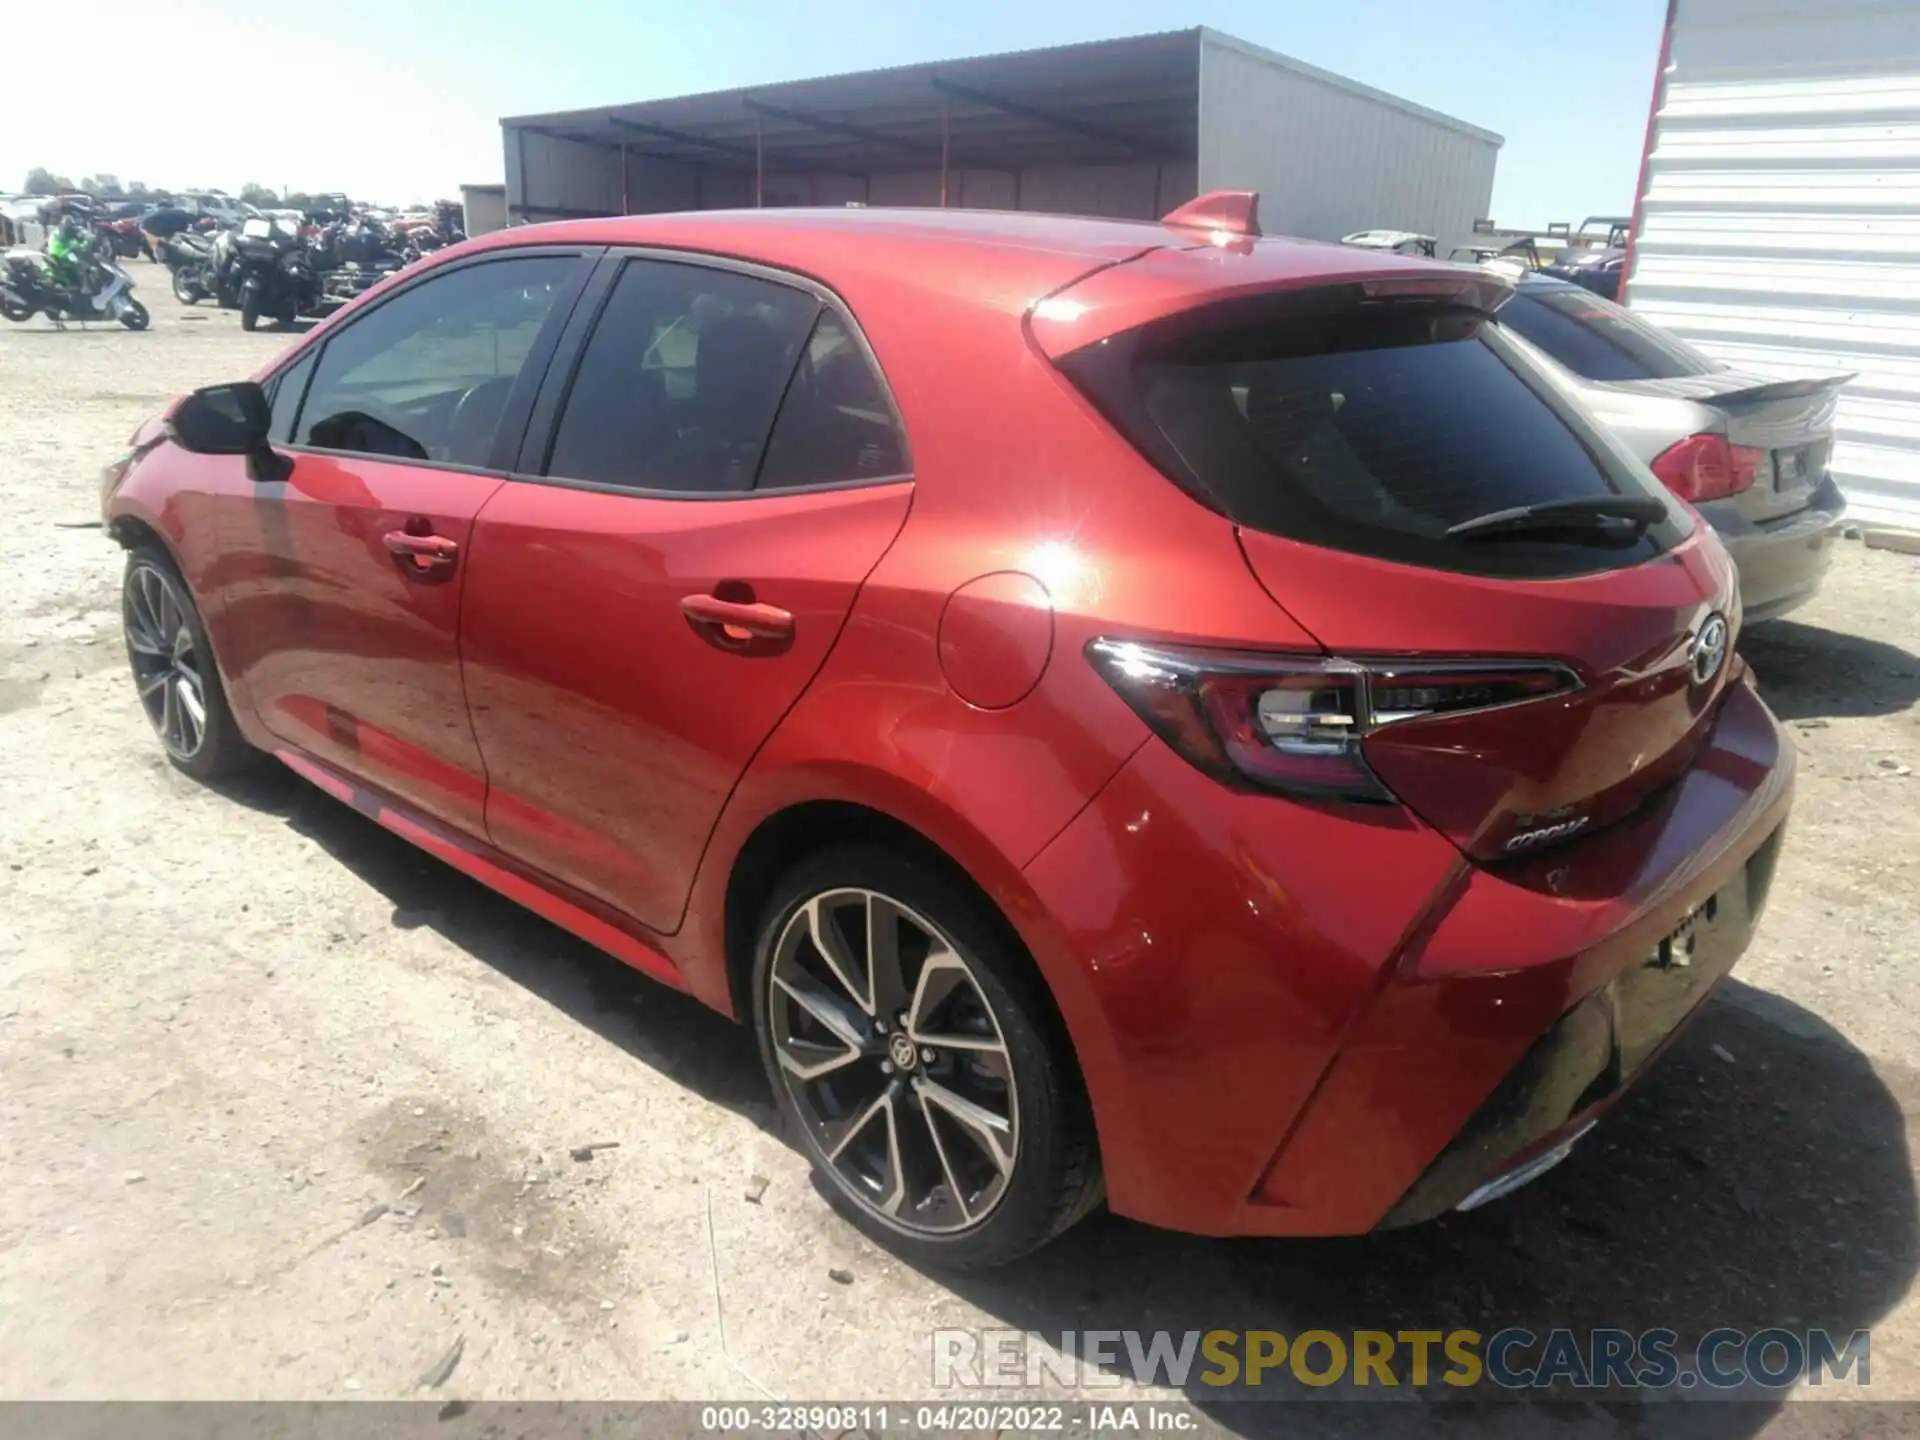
(1295, 724)
(1707, 467)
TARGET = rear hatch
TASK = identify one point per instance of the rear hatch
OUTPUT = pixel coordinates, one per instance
(1788, 422)
(1528, 635)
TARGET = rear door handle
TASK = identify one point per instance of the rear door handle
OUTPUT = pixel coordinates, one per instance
(428, 552)
(738, 621)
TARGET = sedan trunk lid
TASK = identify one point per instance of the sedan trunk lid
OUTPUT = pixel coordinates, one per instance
(1791, 421)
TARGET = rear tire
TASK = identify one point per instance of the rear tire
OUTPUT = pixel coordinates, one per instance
(249, 314)
(18, 311)
(184, 289)
(174, 672)
(958, 1137)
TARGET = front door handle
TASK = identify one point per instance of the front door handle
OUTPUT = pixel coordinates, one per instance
(427, 552)
(738, 622)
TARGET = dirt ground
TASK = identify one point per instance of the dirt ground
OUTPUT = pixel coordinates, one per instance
(288, 1106)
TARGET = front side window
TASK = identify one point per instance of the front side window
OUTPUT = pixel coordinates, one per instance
(679, 385)
(426, 374)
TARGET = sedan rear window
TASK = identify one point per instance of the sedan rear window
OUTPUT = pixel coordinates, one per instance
(1598, 340)
(1374, 427)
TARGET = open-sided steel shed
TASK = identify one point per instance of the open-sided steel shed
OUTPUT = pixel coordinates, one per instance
(1127, 128)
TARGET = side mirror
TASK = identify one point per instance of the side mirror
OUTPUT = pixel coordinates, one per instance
(230, 420)
(222, 420)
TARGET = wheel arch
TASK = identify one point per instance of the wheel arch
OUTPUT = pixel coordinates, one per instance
(130, 532)
(797, 813)
(131, 525)
(783, 837)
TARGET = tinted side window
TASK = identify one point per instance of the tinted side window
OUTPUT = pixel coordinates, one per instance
(836, 422)
(681, 379)
(1596, 339)
(289, 387)
(426, 375)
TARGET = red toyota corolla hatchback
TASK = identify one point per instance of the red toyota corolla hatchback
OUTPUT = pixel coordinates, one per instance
(1126, 711)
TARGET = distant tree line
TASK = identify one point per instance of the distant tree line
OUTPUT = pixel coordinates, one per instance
(42, 181)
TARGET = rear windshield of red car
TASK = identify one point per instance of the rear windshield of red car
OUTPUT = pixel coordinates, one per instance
(1366, 426)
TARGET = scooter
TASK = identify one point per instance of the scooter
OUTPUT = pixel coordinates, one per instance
(104, 293)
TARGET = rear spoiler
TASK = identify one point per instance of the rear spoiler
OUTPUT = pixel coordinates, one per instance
(1160, 283)
(1773, 390)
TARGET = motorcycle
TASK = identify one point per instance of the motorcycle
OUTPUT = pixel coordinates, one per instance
(124, 236)
(189, 255)
(272, 273)
(355, 258)
(105, 292)
(426, 233)
(205, 266)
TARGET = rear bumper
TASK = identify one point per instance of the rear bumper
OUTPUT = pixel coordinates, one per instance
(1781, 562)
(1591, 1054)
(1317, 1024)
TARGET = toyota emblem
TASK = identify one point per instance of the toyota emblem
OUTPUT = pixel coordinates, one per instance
(1709, 651)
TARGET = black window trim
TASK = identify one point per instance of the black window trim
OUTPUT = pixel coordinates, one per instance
(532, 373)
(308, 355)
(543, 421)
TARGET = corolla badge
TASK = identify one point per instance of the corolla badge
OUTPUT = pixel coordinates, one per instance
(1709, 649)
(1528, 838)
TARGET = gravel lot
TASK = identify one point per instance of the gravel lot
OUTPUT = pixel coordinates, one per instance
(234, 1026)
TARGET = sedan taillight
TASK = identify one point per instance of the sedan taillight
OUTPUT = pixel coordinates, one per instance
(1707, 467)
(1294, 724)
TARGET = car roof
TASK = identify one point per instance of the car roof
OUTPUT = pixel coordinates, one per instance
(997, 256)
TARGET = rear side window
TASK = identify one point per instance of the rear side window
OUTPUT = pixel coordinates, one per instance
(1596, 339)
(836, 423)
(679, 385)
(1366, 426)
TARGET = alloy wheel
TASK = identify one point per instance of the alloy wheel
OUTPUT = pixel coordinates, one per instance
(167, 666)
(891, 1052)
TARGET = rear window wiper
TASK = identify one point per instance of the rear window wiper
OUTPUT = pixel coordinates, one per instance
(1605, 517)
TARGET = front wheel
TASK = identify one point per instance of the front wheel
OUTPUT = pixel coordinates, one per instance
(18, 311)
(913, 1053)
(249, 312)
(173, 670)
(185, 289)
(134, 316)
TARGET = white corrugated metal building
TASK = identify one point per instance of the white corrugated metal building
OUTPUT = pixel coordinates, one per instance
(1127, 128)
(483, 208)
(1778, 225)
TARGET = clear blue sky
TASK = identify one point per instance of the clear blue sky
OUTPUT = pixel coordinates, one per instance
(397, 100)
